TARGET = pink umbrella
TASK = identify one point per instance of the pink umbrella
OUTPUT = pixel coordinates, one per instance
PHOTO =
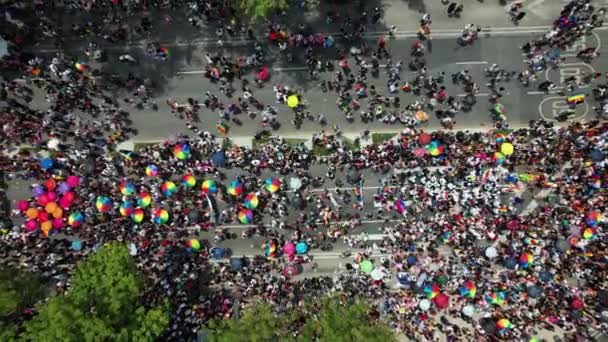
(290, 271)
(52, 196)
(31, 226)
(65, 203)
(577, 304)
(289, 248)
(43, 199)
(420, 152)
(57, 223)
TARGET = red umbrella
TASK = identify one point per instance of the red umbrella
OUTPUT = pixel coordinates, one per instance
(577, 304)
(263, 73)
(442, 301)
(424, 138)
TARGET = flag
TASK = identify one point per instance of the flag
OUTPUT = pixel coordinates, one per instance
(576, 99)
(222, 128)
(359, 193)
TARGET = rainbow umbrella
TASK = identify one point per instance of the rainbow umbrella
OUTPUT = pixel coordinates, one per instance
(431, 291)
(138, 215)
(592, 218)
(235, 188)
(126, 188)
(496, 298)
(271, 249)
(272, 184)
(498, 158)
(251, 201)
(126, 208)
(160, 216)
(500, 137)
(75, 219)
(188, 180)
(209, 186)
(193, 245)
(435, 148)
(245, 216)
(103, 204)
(525, 260)
(503, 324)
(151, 170)
(181, 151)
(589, 233)
(144, 200)
(168, 188)
(468, 289)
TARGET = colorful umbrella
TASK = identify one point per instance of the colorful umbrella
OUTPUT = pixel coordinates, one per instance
(498, 158)
(496, 298)
(31, 226)
(592, 218)
(75, 219)
(144, 200)
(435, 148)
(168, 188)
(160, 216)
(271, 249)
(468, 289)
(103, 204)
(235, 188)
(138, 215)
(151, 170)
(209, 186)
(272, 184)
(589, 233)
(431, 291)
(525, 260)
(366, 266)
(289, 248)
(251, 201)
(32, 213)
(424, 138)
(126, 208)
(181, 151)
(500, 138)
(290, 271)
(126, 188)
(193, 245)
(503, 324)
(188, 180)
(245, 216)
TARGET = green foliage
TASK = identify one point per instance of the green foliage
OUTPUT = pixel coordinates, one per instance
(379, 138)
(327, 320)
(102, 305)
(258, 9)
(18, 290)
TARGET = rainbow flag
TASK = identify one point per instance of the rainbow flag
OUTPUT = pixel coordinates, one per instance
(576, 99)
(222, 128)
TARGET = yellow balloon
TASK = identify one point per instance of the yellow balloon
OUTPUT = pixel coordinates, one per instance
(292, 101)
(506, 149)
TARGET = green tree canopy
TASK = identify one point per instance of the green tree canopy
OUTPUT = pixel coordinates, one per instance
(258, 9)
(18, 290)
(327, 319)
(103, 304)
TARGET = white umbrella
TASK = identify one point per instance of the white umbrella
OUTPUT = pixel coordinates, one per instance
(468, 310)
(377, 274)
(53, 144)
(295, 183)
(424, 304)
(491, 252)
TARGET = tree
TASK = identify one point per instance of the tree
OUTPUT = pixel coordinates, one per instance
(102, 304)
(326, 319)
(18, 291)
(257, 9)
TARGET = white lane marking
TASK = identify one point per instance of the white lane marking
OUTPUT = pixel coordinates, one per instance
(191, 72)
(562, 106)
(316, 255)
(245, 226)
(471, 62)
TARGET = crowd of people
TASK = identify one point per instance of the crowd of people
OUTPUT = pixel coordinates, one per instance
(466, 252)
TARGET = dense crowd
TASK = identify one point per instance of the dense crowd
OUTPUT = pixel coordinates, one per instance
(466, 253)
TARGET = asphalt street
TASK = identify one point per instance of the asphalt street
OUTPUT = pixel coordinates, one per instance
(181, 78)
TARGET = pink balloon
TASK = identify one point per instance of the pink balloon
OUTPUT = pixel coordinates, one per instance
(52, 196)
(73, 181)
(57, 223)
(43, 199)
(43, 216)
(31, 226)
(22, 205)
